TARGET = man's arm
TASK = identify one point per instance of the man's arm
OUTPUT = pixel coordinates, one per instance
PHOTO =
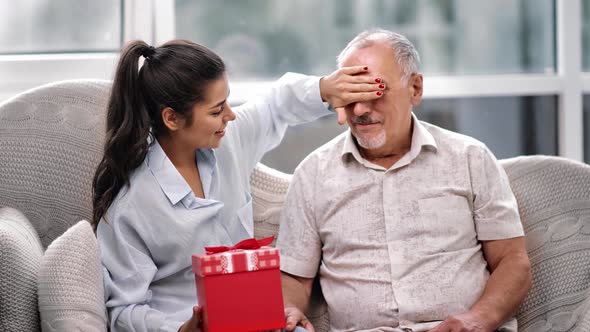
(509, 282)
(296, 294)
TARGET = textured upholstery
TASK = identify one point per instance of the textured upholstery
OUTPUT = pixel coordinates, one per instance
(51, 140)
(50, 143)
(71, 293)
(554, 202)
(20, 256)
(269, 187)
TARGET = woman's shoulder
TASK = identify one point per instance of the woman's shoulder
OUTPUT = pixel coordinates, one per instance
(141, 191)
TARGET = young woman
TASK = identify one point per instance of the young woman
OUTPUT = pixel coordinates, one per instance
(174, 177)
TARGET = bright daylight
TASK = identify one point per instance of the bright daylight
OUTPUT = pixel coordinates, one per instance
(307, 166)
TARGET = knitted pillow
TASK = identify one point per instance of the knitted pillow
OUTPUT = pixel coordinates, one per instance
(20, 257)
(71, 293)
(269, 187)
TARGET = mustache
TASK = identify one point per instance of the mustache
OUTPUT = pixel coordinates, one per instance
(365, 120)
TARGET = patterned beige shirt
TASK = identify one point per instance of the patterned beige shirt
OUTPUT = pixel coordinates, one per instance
(397, 249)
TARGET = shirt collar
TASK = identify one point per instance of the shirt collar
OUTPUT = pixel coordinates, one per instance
(172, 183)
(206, 163)
(421, 137)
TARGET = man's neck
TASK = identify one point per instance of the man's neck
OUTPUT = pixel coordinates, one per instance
(387, 155)
(383, 159)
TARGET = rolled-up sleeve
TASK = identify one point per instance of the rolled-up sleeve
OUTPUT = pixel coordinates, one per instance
(299, 241)
(495, 209)
(128, 271)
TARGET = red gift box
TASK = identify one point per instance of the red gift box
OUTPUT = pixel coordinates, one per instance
(239, 287)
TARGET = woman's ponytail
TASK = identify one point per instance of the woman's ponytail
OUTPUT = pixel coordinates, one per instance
(173, 75)
(127, 130)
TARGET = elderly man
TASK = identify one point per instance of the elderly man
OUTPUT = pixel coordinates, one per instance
(412, 227)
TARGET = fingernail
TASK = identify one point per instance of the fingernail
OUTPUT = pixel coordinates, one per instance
(381, 86)
(379, 93)
(378, 80)
(366, 68)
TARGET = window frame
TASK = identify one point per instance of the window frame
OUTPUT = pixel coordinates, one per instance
(141, 20)
(569, 83)
(154, 22)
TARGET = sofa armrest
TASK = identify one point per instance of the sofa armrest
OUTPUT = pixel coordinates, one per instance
(269, 187)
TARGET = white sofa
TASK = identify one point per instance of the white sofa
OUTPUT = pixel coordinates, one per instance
(51, 140)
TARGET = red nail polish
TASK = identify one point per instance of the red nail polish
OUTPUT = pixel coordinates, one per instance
(381, 86)
(378, 80)
(379, 93)
(366, 68)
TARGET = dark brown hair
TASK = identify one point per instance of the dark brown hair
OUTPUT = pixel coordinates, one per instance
(173, 75)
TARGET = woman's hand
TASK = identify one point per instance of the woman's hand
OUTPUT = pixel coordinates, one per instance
(193, 324)
(349, 85)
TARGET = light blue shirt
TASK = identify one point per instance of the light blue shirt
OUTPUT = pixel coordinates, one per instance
(156, 224)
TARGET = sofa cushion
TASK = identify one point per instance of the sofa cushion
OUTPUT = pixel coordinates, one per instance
(20, 257)
(70, 289)
(51, 139)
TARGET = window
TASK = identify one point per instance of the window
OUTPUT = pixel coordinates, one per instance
(44, 41)
(587, 128)
(515, 59)
(261, 39)
(509, 126)
(32, 26)
(586, 35)
(485, 62)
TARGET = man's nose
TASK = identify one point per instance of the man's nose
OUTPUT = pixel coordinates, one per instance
(361, 108)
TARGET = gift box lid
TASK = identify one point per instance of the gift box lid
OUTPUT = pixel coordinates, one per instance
(248, 255)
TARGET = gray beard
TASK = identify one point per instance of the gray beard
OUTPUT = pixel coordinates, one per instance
(372, 143)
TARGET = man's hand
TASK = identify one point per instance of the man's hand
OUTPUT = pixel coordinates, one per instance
(465, 322)
(349, 85)
(194, 323)
(294, 316)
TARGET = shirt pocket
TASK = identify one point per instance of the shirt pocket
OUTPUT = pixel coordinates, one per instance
(448, 220)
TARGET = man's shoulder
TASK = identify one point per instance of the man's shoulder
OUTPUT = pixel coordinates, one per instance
(325, 154)
(453, 141)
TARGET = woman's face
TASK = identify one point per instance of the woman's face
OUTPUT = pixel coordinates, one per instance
(209, 117)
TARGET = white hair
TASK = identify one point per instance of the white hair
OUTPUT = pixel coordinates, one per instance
(405, 53)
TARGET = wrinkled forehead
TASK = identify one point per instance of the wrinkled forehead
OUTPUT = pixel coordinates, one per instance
(379, 58)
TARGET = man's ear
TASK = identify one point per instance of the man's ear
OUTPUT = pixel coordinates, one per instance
(416, 89)
(171, 120)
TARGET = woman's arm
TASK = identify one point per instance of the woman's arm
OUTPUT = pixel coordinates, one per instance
(128, 273)
(294, 99)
